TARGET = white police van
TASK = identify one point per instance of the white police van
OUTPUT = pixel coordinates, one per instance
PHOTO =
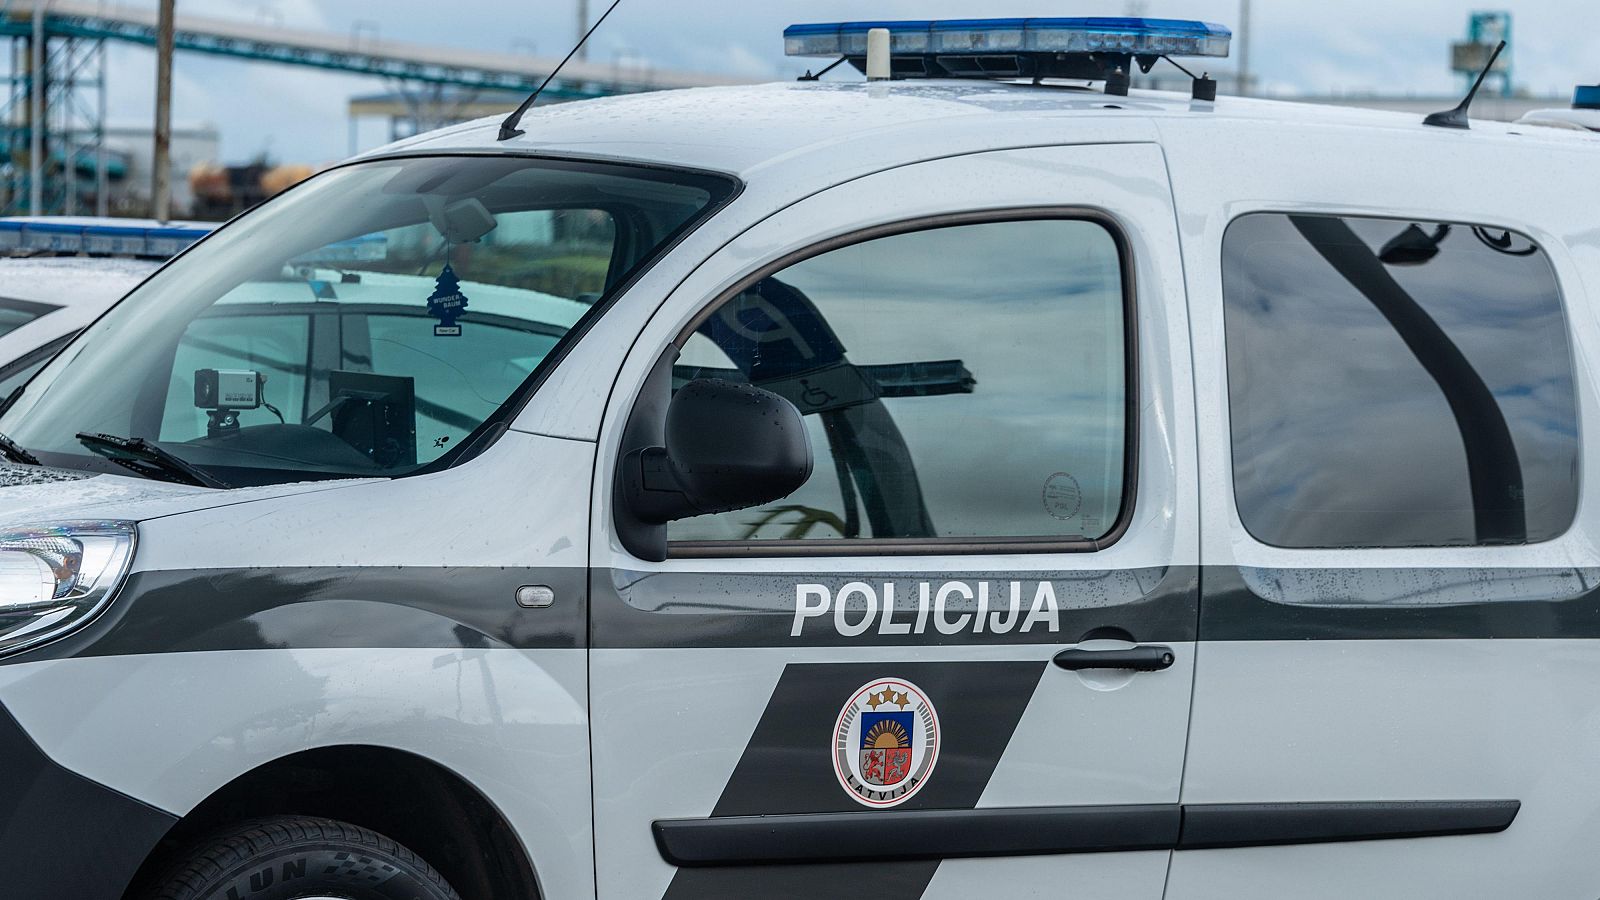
(934, 487)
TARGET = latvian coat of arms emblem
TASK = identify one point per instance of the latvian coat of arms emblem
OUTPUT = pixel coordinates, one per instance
(886, 742)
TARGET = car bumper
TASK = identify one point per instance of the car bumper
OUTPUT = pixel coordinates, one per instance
(62, 835)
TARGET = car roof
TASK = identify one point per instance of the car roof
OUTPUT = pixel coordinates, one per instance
(72, 281)
(743, 129)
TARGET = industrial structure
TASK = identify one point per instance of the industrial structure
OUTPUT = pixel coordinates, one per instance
(1467, 58)
(57, 79)
(70, 163)
(1485, 31)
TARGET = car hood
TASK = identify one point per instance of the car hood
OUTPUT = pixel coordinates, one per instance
(32, 495)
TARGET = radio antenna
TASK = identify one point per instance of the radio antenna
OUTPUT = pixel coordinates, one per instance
(1458, 118)
(508, 128)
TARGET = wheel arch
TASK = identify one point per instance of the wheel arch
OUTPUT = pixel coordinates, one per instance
(464, 836)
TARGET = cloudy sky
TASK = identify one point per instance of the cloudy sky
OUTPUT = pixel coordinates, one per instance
(1298, 46)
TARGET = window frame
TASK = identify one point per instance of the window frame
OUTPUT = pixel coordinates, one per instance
(1346, 215)
(952, 546)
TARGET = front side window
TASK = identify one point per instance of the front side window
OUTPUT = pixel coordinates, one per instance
(365, 324)
(967, 383)
(1397, 384)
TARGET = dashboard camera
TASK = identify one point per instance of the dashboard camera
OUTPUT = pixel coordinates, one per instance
(223, 394)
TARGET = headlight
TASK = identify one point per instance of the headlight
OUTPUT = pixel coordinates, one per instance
(55, 578)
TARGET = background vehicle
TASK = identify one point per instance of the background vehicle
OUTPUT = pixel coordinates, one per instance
(50, 294)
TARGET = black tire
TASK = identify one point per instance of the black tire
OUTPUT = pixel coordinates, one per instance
(296, 857)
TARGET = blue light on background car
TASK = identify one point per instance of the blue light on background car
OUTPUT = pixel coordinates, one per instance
(362, 249)
(130, 237)
(966, 37)
(1586, 97)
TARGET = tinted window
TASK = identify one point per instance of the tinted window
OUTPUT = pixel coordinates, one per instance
(964, 382)
(1397, 384)
(16, 313)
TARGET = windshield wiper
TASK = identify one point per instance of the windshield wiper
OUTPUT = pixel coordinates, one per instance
(13, 451)
(149, 459)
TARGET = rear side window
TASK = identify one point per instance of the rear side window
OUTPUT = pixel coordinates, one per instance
(1397, 384)
(965, 383)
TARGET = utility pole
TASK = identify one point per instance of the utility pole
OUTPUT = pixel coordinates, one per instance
(160, 186)
(583, 28)
(36, 125)
(1244, 48)
(102, 204)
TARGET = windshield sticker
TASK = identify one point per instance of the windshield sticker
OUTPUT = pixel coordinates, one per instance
(447, 303)
(951, 608)
(885, 743)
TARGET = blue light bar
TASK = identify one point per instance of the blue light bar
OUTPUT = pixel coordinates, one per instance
(108, 237)
(1587, 96)
(964, 37)
(113, 240)
(52, 237)
(850, 38)
(999, 37)
(366, 248)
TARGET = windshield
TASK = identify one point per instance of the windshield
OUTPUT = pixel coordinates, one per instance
(365, 324)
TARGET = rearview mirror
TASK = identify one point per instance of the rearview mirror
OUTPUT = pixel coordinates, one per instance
(728, 446)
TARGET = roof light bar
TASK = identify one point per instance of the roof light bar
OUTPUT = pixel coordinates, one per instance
(65, 234)
(1587, 96)
(361, 249)
(968, 38)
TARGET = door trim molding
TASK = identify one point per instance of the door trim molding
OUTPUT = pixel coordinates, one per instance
(1219, 826)
(855, 837)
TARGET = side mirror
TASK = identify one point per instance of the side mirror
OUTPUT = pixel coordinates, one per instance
(728, 446)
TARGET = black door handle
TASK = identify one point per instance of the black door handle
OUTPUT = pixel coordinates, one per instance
(1133, 659)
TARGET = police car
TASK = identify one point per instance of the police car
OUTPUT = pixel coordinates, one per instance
(64, 272)
(962, 483)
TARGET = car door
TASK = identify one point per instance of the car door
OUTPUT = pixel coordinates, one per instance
(1397, 626)
(960, 654)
